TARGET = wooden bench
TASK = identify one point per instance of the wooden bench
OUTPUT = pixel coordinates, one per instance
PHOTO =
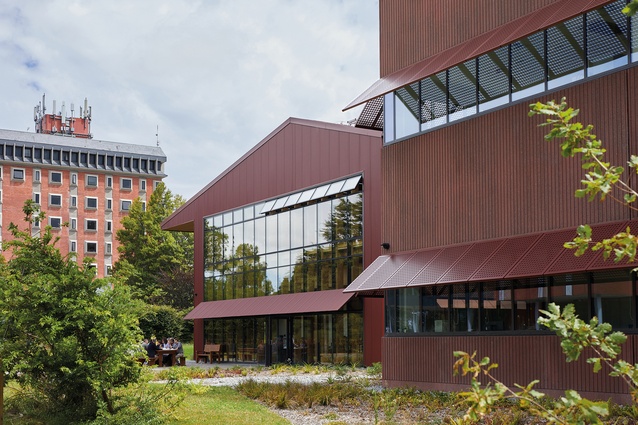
(210, 352)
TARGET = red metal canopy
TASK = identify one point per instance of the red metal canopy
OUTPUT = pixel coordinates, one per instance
(539, 254)
(303, 302)
(522, 27)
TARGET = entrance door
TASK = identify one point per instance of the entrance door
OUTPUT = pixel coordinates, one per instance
(280, 340)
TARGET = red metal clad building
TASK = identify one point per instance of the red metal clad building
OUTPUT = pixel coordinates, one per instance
(476, 206)
(278, 236)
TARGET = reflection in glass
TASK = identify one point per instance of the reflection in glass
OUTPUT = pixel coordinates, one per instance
(408, 311)
(434, 100)
(407, 115)
(271, 233)
(571, 289)
(310, 225)
(283, 219)
(531, 297)
(497, 306)
(612, 296)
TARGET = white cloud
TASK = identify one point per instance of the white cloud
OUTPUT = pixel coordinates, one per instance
(216, 77)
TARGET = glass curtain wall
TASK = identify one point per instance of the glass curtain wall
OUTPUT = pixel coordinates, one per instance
(304, 242)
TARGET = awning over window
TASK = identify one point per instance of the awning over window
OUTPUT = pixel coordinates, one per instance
(518, 257)
(304, 302)
(491, 40)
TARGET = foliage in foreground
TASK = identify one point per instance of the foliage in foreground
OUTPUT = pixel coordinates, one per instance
(576, 336)
(69, 338)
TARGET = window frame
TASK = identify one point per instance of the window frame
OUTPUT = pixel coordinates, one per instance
(89, 177)
(129, 182)
(87, 199)
(51, 204)
(51, 178)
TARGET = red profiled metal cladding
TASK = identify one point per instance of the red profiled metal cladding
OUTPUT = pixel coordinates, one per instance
(491, 40)
(538, 254)
(303, 302)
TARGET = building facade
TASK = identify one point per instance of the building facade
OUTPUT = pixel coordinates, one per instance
(278, 236)
(85, 186)
(477, 206)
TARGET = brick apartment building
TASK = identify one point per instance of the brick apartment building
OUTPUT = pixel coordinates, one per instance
(87, 184)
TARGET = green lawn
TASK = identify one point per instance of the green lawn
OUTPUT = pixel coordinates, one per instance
(188, 350)
(215, 405)
(223, 405)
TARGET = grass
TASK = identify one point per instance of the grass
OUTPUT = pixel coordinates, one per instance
(188, 350)
(223, 405)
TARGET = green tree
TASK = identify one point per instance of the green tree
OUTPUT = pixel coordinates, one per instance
(153, 261)
(69, 339)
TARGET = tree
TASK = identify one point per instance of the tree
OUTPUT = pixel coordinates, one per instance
(155, 262)
(69, 338)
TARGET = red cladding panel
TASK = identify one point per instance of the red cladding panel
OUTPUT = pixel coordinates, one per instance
(543, 253)
(304, 302)
(471, 261)
(567, 262)
(508, 254)
(491, 40)
(367, 280)
(437, 268)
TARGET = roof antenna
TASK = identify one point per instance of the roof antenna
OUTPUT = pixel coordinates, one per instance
(157, 135)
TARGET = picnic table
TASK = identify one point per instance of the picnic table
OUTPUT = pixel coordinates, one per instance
(160, 355)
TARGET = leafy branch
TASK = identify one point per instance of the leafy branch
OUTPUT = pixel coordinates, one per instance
(601, 180)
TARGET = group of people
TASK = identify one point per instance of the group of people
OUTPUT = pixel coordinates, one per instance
(152, 345)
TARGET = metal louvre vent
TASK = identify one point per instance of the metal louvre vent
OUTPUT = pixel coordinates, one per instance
(372, 115)
(433, 97)
(565, 48)
(606, 29)
(528, 62)
(493, 74)
(462, 86)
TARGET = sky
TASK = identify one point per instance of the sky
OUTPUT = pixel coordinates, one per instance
(208, 79)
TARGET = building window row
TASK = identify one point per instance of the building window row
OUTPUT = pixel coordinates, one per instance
(584, 46)
(91, 180)
(31, 154)
(510, 305)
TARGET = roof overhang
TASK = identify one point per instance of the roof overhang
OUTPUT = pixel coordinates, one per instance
(299, 303)
(540, 254)
(519, 28)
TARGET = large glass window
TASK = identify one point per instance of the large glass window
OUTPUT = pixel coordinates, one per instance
(493, 78)
(607, 41)
(407, 107)
(462, 90)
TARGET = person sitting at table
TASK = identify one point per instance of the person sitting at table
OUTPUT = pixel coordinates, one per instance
(151, 349)
(176, 345)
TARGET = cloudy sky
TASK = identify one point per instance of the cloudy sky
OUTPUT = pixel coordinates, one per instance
(215, 76)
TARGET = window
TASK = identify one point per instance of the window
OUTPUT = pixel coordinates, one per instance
(108, 247)
(126, 184)
(109, 270)
(36, 223)
(91, 203)
(74, 178)
(9, 150)
(17, 174)
(143, 205)
(127, 162)
(37, 154)
(92, 159)
(100, 160)
(90, 247)
(74, 246)
(36, 175)
(74, 157)
(109, 182)
(91, 181)
(47, 154)
(74, 201)
(36, 198)
(109, 161)
(56, 156)
(118, 161)
(90, 225)
(136, 163)
(83, 159)
(74, 223)
(55, 222)
(142, 184)
(55, 200)
(109, 226)
(125, 205)
(109, 204)
(55, 177)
